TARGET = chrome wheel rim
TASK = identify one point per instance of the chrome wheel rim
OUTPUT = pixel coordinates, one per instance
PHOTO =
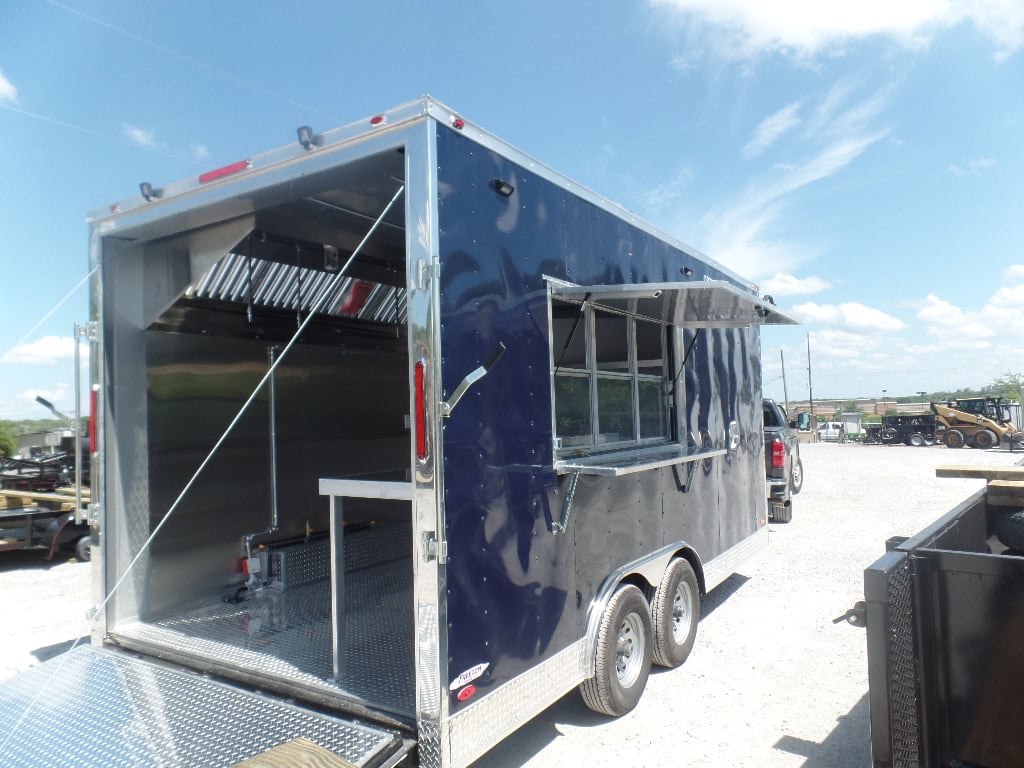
(629, 650)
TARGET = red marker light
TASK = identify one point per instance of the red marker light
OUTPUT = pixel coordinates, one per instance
(466, 692)
(421, 411)
(227, 170)
(378, 120)
(458, 123)
(92, 418)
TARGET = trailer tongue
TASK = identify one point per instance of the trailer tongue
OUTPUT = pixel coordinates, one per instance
(402, 426)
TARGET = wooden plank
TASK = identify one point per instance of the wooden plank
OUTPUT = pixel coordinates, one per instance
(297, 753)
(981, 473)
(1005, 493)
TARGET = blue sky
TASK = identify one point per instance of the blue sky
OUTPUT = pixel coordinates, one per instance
(860, 160)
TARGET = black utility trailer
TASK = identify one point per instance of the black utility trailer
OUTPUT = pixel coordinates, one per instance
(915, 429)
(945, 623)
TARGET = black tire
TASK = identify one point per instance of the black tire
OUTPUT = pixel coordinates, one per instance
(984, 439)
(796, 477)
(83, 548)
(675, 611)
(622, 661)
(916, 440)
(953, 438)
(1009, 527)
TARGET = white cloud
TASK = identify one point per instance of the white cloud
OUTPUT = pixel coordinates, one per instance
(49, 349)
(971, 168)
(199, 151)
(741, 29)
(771, 129)
(850, 316)
(741, 235)
(144, 137)
(1014, 273)
(789, 285)
(8, 91)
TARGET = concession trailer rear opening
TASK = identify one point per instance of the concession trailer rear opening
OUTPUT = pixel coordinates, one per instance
(400, 436)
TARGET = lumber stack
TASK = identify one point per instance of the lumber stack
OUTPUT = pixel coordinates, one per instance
(1005, 485)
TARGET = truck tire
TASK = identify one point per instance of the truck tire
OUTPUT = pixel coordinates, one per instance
(622, 662)
(675, 611)
(83, 548)
(796, 477)
(984, 439)
(1009, 527)
(953, 438)
(916, 440)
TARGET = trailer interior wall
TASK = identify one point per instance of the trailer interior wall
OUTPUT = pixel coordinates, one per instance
(194, 317)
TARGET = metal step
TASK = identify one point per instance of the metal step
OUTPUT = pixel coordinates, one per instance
(96, 707)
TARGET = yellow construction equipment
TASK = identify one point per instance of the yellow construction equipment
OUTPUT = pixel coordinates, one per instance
(980, 422)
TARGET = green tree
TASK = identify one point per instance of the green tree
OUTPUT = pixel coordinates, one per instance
(1009, 385)
(8, 440)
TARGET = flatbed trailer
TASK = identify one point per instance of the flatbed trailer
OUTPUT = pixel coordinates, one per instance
(400, 435)
(945, 624)
(38, 519)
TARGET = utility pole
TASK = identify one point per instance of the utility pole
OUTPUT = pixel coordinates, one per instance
(785, 391)
(810, 387)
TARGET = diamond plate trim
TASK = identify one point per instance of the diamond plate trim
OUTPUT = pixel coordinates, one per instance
(93, 707)
(903, 695)
(480, 726)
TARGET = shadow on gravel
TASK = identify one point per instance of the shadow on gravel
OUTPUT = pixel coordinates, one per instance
(848, 745)
(721, 593)
(49, 651)
(18, 559)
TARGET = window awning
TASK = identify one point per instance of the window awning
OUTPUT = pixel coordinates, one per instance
(696, 304)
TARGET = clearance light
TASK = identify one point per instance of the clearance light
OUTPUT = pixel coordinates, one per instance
(466, 692)
(421, 411)
(458, 123)
(227, 170)
(92, 418)
(378, 120)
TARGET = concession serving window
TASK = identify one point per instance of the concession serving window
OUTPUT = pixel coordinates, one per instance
(616, 356)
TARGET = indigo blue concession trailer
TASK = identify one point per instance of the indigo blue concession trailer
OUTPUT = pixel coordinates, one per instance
(400, 436)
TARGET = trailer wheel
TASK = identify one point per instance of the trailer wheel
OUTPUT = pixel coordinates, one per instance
(674, 614)
(916, 440)
(985, 438)
(622, 662)
(83, 548)
(796, 477)
(953, 438)
(1009, 527)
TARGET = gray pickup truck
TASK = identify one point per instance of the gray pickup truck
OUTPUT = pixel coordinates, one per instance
(783, 468)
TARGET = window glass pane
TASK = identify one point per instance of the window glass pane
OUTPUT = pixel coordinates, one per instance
(653, 413)
(611, 341)
(615, 409)
(572, 410)
(568, 320)
(650, 348)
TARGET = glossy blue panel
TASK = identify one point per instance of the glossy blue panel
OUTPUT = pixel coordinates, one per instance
(516, 592)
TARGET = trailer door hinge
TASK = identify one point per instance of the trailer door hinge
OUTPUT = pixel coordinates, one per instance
(87, 331)
(433, 549)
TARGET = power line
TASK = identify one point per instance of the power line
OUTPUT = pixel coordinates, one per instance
(191, 60)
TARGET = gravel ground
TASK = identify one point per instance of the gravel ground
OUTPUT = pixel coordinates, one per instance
(771, 681)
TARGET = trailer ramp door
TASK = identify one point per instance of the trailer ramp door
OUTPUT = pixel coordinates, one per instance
(94, 707)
